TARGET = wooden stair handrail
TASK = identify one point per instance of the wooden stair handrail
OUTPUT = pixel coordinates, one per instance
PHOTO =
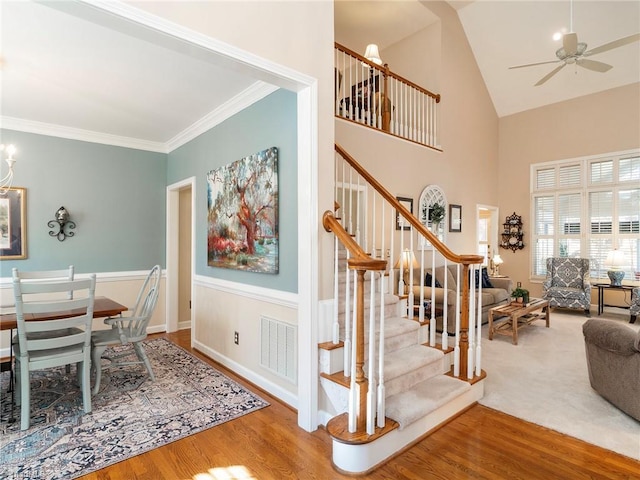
(359, 260)
(441, 247)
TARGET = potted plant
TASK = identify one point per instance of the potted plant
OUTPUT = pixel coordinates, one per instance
(436, 213)
(521, 295)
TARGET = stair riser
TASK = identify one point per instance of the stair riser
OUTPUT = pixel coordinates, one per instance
(332, 361)
(409, 379)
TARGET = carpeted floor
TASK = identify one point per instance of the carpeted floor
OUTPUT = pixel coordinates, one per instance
(544, 380)
(131, 414)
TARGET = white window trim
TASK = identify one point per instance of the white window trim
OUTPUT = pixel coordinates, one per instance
(585, 188)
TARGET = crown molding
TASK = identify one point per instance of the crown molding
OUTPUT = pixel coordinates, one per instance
(53, 130)
(256, 92)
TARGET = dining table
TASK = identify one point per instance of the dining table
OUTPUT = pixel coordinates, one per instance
(102, 307)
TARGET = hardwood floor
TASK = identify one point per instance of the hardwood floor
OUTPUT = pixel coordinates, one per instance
(267, 444)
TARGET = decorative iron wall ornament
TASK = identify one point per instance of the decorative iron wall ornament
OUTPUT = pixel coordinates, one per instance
(63, 223)
(512, 234)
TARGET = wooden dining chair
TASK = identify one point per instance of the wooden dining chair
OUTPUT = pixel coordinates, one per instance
(45, 275)
(51, 343)
(129, 328)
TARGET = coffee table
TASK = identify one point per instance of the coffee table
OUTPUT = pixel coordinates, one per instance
(517, 316)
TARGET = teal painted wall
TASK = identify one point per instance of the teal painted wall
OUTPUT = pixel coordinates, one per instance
(272, 122)
(115, 195)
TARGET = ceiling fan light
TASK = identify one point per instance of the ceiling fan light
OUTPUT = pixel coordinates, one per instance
(582, 47)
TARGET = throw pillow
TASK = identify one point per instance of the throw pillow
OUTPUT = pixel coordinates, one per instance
(428, 279)
(486, 283)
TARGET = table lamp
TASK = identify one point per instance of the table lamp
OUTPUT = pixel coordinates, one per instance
(497, 261)
(406, 261)
(615, 261)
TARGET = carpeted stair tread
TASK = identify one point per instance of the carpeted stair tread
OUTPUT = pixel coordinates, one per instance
(409, 359)
(397, 326)
(425, 397)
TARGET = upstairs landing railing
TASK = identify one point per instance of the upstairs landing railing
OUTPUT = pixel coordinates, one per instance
(366, 228)
(374, 96)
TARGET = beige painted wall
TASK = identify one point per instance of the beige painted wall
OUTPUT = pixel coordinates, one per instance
(466, 168)
(417, 57)
(604, 122)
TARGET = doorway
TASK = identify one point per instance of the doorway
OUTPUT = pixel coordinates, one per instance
(180, 248)
(487, 233)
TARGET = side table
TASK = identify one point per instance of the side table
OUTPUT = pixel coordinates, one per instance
(607, 286)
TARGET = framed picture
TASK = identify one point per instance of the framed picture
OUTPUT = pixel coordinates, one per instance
(13, 224)
(408, 204)
(455, 218)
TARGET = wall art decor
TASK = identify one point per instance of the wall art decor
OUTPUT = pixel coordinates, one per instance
(401, 223)
(242, 217)
(13, 224)
(455, 218)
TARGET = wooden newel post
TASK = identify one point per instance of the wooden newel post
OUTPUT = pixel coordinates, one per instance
(464, 322)
(361, 380)
(386, 102)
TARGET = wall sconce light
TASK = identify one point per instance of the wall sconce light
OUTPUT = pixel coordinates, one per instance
(62, 222)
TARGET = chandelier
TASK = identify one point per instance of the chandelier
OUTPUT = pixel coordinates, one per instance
(7, 180)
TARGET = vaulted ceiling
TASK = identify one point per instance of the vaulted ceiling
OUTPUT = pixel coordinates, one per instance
(508, 33)
(82, 75)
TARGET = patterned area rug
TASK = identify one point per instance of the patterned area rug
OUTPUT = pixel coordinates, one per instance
(131, 414)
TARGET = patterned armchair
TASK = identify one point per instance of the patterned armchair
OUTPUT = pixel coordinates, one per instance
(567, 283)
(635, 304)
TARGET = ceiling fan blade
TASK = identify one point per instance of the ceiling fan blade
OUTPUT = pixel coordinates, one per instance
(534, 64)
(615, 44)
(594, 65)
(570, 43)
(550, 74)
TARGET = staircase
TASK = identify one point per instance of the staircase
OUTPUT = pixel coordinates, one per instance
(389, 388)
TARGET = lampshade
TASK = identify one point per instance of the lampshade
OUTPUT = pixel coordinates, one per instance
(407, 260)
(497, 259)
(615, 260)
(372, 54)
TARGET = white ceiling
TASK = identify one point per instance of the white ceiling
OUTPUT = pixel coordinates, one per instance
(508, 33)
(119, 84)
(59, 69)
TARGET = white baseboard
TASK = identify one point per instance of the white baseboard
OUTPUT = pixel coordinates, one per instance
(275, 390)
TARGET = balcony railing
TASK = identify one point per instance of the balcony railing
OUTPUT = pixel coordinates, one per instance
(373, 96)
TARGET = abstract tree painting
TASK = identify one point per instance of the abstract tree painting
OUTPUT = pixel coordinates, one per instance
(242, 200)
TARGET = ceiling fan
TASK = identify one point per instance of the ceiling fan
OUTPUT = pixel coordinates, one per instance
(575, 52)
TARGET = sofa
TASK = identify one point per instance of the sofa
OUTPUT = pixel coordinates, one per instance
(613, 361)
(499, 293)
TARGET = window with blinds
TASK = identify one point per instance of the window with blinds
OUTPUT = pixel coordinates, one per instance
(586, 208)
